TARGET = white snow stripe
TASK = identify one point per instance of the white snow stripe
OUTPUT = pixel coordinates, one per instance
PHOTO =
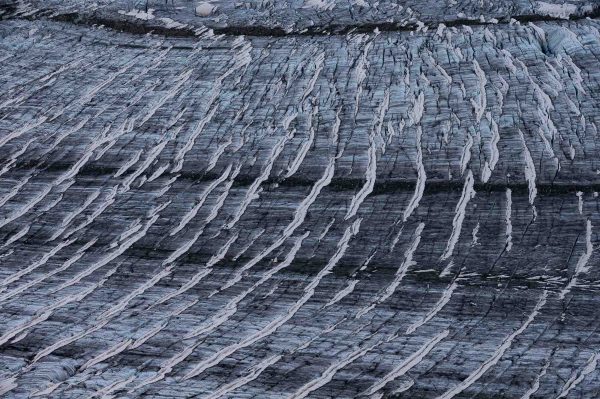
(413, 360)
(536, 383)
(498, 353)
(421, 178)
(575, 379)
(309, 291)
(253, 374)
(400, 273)
(299, 216)
(461, 208)
(343, 293)
(435, 310)
(582, 263)
(508, 219)
(530, 174)
(328, 374)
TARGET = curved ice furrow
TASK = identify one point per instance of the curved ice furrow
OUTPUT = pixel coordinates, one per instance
(413, 360)
(44, 313)
(241, 60)
(530, 174)
(361, 71)
(220, 254)
(14, 191)
(418, 106)
(498, 353)
(64, 177)
(106, 259)
(64, 342)
(18, 99)
(536, 152)
(166, 186)
(494, 154)
(396, 239)
(255, 188)
(149, 334)
(183, 248)
(501, 91)
(22, 288)
(400, 273)
(255, 235)
(69, 218)
(15, 155)
(23, 130)
(461, 208)
(299, 216)
(73, 170)
(17, 236)
(109, 140)
(150, 158)
(195, 279)
(222, 316)
(240, 382)
(367, 188)
(221, 199)
(42, 261)
(507, 218)
(309, 291)
(27, 206)
(122, 304)
(108, 201)
(371, 173)
(421, 178)
(579, 195)
(159, 172)
(106, 392)
(91, 93)
(319, 61)
(576, 77)
(216, 258)
(231, 307)
(582, 264)
(435, 310)
(466, 153)
(172, 92)
(304, 148)
(536, 383)
(64, 134)
(343, 293)
(107, 354)
(179, 158)
(575, 379)
(214, 158)
(166, 367)
(132, 228)
(480, 105)
(331, 371)
(7, 385)
(545, 106)
(293, 168)
(47, 391)
(132, 161)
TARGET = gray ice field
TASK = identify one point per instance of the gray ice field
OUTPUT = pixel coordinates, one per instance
(300, 198)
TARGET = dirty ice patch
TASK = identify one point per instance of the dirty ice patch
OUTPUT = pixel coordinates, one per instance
(556, 10)
(321, 5)
(145, 15)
